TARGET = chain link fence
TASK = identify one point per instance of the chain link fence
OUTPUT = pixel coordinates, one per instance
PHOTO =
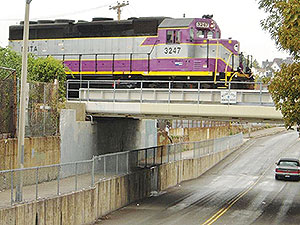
(53, 180)
(8, 107)
(42, 108)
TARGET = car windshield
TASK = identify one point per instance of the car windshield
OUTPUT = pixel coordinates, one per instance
(288, 163)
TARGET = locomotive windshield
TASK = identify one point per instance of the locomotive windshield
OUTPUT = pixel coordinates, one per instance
(200, 34)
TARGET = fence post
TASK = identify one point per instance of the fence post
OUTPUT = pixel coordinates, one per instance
(260, 93)
(146, 157)
(76, 176)
(229, 88)
(127, 162)
(161, 154)
(154, 155)
(169, 96)
(104, 166)
(11, 187)
(174, 152)
(58, 179)
(199, 92)
(141, 93)
(181, 153)
(117, 164)
(68, 89)
(88, 97)
(194, 150)
(114, 94)
(44, 110)
(93, 172)
(37, 183)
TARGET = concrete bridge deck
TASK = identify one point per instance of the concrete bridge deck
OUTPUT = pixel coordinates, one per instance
(170, 103)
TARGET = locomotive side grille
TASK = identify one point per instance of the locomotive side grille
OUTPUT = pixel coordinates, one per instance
(197, 65)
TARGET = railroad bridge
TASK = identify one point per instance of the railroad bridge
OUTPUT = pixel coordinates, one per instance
(130, 99)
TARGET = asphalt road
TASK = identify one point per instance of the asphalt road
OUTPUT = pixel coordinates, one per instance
(240, 190)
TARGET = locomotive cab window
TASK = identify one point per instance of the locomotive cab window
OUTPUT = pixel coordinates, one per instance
(200, 34)
(192, 34)
(218, 36)
(173, 37)
(170, 37)
(178, 37)
(210, 35)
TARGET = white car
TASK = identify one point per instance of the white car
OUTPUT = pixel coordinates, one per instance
(287, 168)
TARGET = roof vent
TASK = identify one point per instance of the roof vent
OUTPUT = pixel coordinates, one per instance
(30, 22)
(132, 18)
(96, 19)
(82, 21)
(45, 21)
(64, 21)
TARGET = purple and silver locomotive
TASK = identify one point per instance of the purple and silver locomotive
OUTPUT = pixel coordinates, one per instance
(157, 48)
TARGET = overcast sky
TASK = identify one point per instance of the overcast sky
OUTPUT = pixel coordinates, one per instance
(239, 19)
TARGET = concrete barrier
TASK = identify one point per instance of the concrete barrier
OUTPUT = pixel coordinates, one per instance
(86, 206)
(38, 151)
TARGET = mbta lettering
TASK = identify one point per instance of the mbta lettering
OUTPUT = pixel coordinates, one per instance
(31, 48)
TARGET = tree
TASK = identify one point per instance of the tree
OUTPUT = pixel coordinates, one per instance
(285, 91)
(39, 69)
(256, 64)
(283, 23)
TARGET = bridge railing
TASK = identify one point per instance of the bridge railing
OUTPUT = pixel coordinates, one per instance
(193, 92)
(53, 180)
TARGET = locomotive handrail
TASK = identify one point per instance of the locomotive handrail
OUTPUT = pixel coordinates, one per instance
(216, 62)
(84, 54)
(63, 55)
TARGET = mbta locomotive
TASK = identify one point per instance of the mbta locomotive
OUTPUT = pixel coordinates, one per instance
(157, 48)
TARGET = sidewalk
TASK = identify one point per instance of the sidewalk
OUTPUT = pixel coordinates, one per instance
(265, 132)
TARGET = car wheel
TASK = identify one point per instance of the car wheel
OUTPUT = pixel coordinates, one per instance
(276, 177)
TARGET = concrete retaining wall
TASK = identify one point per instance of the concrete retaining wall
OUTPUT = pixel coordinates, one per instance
(85, 207)
(179, 135)
(38, 151)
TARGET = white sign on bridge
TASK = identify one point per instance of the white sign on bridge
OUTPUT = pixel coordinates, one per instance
(228, 96)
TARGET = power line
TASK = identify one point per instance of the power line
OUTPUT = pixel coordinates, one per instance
(59, 15)
(118, 8)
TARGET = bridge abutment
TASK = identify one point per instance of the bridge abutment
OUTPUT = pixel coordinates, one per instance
(80, 140)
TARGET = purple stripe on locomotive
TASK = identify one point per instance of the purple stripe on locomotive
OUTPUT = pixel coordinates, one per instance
(155, 65)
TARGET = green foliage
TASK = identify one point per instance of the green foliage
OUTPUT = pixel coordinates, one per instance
(9, 59)
(266, 80)
(48, 70)
(285, 91)
(283, 23)
(289, 30)
(256, 64)
(39, 69)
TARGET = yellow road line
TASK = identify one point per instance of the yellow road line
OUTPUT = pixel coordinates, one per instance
(217, 215)
(223, 210)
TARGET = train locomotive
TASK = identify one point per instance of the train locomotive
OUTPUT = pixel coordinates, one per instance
(147, 48)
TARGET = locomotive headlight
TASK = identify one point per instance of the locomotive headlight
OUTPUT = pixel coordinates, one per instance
(236, 47)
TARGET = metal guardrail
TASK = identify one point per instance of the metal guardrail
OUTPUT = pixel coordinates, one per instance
(191, 92)
(53, 180)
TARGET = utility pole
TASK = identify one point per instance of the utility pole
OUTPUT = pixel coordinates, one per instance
(21, 131)
(118, 8)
